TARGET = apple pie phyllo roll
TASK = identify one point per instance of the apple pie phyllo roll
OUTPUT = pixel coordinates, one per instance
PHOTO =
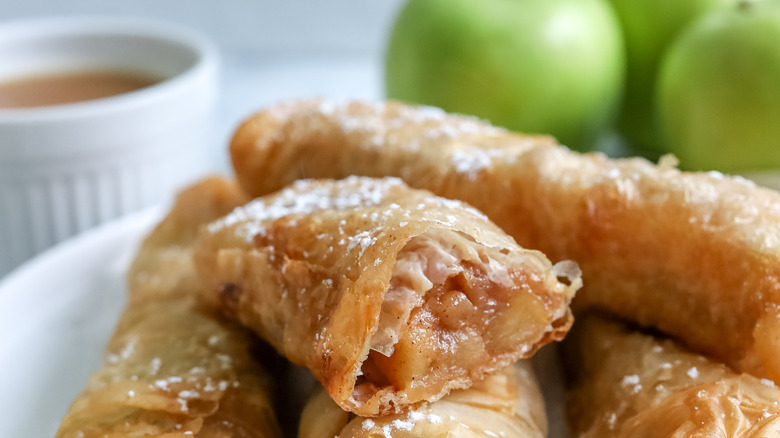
(695, 255)
(174, 367)
(629, 384)
(389, 295)
(506, 404)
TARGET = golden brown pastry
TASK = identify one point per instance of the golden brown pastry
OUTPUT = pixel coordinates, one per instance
(506, 404)
(173, 368)
(694, 255)
(633, 385)
(389, 295)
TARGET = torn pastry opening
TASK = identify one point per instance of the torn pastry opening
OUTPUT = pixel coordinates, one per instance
(456, 309)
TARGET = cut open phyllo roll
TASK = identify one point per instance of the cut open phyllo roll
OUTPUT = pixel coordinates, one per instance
(389, 295)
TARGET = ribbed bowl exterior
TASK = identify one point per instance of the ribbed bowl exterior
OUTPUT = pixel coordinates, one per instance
(43, 205)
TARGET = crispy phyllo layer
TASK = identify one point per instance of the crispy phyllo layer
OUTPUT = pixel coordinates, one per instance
(390, 296)
(630, 384)
(506, 404)
(695, 255)
(173, 367)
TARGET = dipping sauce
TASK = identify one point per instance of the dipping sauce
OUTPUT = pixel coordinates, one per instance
(62, 88)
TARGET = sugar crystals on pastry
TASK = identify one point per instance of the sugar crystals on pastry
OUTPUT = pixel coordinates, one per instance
(696, 255)
(390, 296)
(628, 384)
(505, 404)
(175, 368)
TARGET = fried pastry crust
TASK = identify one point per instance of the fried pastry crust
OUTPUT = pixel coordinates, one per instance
(505, 404)
(390, 296)
(695, 255)
(173, 367)
(629, 384)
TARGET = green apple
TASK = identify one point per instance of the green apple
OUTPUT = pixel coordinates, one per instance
(649, 26)
(719, 90)
(543, 66)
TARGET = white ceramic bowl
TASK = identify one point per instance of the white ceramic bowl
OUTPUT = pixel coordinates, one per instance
(66, 168)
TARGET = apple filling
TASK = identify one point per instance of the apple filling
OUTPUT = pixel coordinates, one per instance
(455, 309)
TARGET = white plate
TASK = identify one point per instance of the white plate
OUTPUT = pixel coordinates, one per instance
(56, 314)
(58, 311)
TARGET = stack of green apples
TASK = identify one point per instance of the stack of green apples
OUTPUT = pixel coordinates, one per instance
(697, 78)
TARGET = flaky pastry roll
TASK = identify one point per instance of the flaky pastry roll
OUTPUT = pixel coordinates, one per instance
(633, 385)
(390, 296)
(174, 368)
(695, 255)
(506, 404)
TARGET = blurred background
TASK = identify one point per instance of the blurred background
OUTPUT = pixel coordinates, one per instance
(694, 78)
(271, 50)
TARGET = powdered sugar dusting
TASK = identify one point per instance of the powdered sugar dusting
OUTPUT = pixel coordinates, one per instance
(309, 196)
(306, 197)
(362, 239)
(389, 428)
(470, 163)
(632, 382)
(452, 204)
(380, 123)
(368, 424)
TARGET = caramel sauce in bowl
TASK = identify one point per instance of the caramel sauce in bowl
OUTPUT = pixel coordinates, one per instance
(99, 117)
(69, 87)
